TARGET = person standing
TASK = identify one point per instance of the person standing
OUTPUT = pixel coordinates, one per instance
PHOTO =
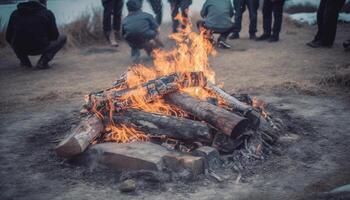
(32, 30)
(112, 9)
(177, 6)
(327, 18)
(140, 30)
(157, 7)
(240, 6)
(217, 17)
(272, 8)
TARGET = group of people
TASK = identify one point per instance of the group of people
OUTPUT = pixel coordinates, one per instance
(32, 28)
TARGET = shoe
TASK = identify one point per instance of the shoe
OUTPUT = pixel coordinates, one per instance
(234, 36)
(42, 65)
(252, 37)
(26, 65)
(274, 38)
(317, 44)
(223, 45)
(263, 37)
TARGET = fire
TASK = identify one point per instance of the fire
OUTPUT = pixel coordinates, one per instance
(257, 103)
(191, 54)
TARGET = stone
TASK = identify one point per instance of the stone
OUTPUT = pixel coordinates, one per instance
(129, 156)
(127, 186)
(178, 162)
(211, 156)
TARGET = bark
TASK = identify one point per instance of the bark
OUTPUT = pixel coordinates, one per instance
(227, 122)
(81, 137)
(170, 126)
(247, 110)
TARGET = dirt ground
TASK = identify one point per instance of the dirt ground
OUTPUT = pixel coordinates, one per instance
(38, 107)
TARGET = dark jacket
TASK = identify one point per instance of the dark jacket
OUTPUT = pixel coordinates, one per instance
(138, 23)
(31, 28)
(217, 14)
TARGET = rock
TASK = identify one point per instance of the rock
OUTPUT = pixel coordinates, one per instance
(211, 156)
(130, 156)
(288, 138)
(127, 186)
(178, 162)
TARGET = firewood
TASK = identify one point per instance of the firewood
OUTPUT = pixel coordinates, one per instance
(170, 126)
(81, 137)
(227, 122)
(247, 110)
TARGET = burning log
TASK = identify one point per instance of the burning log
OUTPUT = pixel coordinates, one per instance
(170, 126)
(229, 123)
(81, 137)
(247, 110)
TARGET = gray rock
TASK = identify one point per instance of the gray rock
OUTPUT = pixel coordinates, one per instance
(127, 186)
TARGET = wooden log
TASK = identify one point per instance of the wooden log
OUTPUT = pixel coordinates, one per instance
(229, 123)
(81, 137)
(170, 126)
(247, 110)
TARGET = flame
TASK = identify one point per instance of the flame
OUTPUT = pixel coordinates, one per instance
(257, 103)
(191, 54)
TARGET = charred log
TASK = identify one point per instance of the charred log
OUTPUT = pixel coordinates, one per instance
(170, 126)
(81, 137)
(229, 123)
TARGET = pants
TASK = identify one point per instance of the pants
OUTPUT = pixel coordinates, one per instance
(157, 7)
(276, 8)
(176, 6)
(327, 18)
(112, 8)
(47, 54)
(252, 6)
(224, 33)
(141, 41)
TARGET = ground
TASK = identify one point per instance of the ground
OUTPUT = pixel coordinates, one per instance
(38, 107)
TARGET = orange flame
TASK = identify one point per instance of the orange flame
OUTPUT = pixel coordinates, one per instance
(191, 54)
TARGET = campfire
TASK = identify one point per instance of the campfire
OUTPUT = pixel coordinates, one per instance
(176, 104)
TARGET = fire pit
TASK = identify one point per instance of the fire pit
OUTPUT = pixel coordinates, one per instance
(171, 115)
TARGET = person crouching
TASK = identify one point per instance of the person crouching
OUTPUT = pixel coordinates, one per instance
(140, 30)
(32, 30)
(217, 19)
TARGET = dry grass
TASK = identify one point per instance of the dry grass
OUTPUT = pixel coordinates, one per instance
(339, 77)
(85, 30)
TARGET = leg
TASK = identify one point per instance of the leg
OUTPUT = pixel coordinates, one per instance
(238, 6)
(135, 55)
(267, 16)
(185, 9)
(23, 58)
(117, 15)
(330, 21)
(278, 17)
(107, 13)
(50, 52)
(157, 7)
(320, 14)
(174, 5)
(253, 6)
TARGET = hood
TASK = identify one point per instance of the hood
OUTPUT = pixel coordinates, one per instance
(134, 5)
(30, 7)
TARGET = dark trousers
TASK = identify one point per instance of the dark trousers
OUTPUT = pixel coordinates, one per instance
(47, 54)
(274, 8)
(224, 33)
(157, 7)
(252, 6)
(176, 7)
(112, 8)
(142, 41)
(327, 18)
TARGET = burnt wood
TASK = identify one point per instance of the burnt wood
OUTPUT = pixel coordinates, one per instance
(170, 126)
(225, 121)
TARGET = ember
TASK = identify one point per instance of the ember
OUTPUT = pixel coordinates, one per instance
(175, 104)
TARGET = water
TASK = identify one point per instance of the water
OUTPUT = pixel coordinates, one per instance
(68, 10)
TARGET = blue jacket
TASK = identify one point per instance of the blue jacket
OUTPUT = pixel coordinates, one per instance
(217, 14)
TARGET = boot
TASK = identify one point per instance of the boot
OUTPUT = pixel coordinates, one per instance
(264, 36)
(234, 36)
(43, 64)
(274, 38)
